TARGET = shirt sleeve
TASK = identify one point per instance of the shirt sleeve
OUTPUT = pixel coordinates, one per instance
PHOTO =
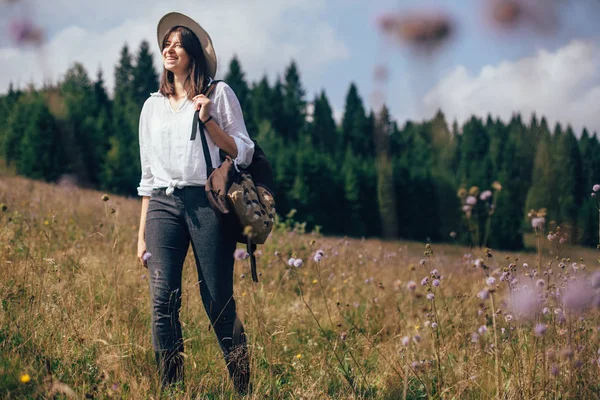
(232, 122)
(147, 181)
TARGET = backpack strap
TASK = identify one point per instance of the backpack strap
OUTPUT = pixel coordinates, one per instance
(251, 248)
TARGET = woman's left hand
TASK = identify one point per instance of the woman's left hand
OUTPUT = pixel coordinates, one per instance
(202, 103)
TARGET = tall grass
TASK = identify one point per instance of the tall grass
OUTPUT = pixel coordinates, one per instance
(359, 319)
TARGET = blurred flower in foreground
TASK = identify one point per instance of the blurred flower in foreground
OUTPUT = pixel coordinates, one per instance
(23, 31)
(25, 378)
(423, 30)
(240, 254)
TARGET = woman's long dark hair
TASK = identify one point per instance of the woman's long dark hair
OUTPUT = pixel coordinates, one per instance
(196, 80)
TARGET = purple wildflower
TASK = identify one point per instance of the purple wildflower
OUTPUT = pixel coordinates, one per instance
(491, 280)
(596, 187)
(240, 254)
(540, 329)
(434, 325)
(298, 263)
(471, 200)
(146, 256)
(430, 296)
(484, 294)
(436, 282)
(405, 341)
(482, 330)
(412, 286)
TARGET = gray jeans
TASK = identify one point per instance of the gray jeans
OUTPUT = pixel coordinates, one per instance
(172, 222)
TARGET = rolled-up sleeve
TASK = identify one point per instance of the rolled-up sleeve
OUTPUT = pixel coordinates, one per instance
(232, 122)
(147, 181)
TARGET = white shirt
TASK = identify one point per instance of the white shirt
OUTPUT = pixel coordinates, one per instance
(169, 158)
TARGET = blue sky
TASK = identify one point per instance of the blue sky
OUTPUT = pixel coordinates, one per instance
(336, 42)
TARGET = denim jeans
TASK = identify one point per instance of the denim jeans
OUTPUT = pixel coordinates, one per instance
(172, 223)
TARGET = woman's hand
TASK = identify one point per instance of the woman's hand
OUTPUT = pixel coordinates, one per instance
(141, 251)
(202, 103)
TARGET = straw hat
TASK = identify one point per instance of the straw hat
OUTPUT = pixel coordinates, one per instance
(173, 19)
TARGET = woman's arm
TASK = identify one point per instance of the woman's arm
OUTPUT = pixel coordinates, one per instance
(221, 138)
(231, 136)
(142, 231)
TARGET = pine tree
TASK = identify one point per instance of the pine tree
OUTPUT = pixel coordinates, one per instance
(355, 125)
(235, 78)
(322, 128)
(294, 105)
(144, 79)
(121, 171)
(40, 151)
(260, 107)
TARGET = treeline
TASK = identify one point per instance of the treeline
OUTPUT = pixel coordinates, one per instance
(366, 176)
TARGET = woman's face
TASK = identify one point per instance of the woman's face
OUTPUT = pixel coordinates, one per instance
(175, 58)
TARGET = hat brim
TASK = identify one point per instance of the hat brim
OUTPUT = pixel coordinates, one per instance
(173, 19)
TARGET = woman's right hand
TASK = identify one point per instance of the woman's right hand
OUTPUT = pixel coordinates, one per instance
(141, 250)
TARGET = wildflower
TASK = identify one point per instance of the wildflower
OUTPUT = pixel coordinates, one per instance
(430, 296)
(435, 272)
(466, 209)
(473, 191)
(424, 281)
(434, 325)
(596, 280)
(356, 304)
(596, 187)
(540, 329)
(343, 336)
(508, 317)
(417, 339)
(405, 341)
(479, 262)
(577, 296)
(291, 262)
(412, 286)
(482, 330)
(480, 312)
(298, 356)
(538, 222)
(474, 337)
(452, 234)
(484, 294)
(491, 280)
(503, 330)
(540, 283)
(436, 282)
(485, 195)
(297, 263)
(497, 186)
(545, 310)
(525, 302)
(146, 256)
(240, 254)
(315, 281)
(551, 237)
(104, 197)
(422, 262)
(462, 193)
(471, 200)
(25, 378)
(319, 255)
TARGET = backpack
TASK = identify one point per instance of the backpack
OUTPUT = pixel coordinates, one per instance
(242, 198)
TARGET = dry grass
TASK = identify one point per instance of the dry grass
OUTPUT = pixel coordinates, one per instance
(74, 315)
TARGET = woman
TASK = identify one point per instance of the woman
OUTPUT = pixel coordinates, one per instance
(175, 211)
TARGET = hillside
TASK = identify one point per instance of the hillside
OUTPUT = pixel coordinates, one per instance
(74, 315)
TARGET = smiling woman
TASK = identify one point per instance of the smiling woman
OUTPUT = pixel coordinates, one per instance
(175, 209)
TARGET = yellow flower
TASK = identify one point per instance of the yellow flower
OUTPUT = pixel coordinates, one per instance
(243, 294)
(315, 281)
(496, 185)
(417, 327)
(46, 222)
(474, 191)
(299, 356)
(25, 378)
(462, 193)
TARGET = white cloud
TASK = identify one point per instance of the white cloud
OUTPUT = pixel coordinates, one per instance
(265, 34)
(563, 86)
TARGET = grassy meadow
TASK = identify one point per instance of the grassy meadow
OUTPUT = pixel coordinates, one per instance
(360, 323)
